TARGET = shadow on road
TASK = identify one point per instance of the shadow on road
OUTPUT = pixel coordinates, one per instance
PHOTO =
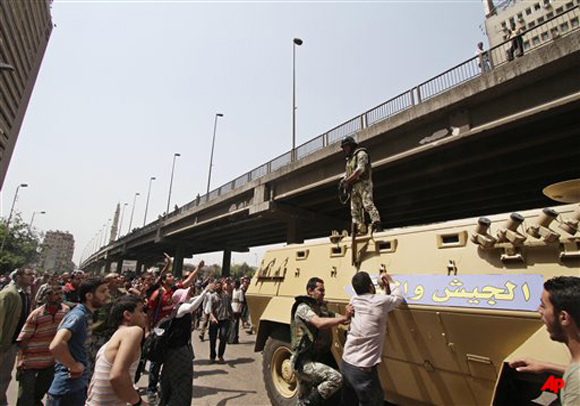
(201, 391)
(198, 374)
(230, 362)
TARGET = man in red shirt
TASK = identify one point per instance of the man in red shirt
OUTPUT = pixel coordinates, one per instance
(161, 305)
(35, 362)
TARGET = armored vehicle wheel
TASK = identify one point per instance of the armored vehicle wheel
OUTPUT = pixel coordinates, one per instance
(280, 381)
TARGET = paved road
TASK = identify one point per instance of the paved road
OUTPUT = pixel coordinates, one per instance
(238, 382)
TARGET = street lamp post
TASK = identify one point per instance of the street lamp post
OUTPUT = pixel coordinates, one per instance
(105, 242)
(121, 221)
(32, 219)
(133, 211)
(212, 147)
(171, 181)
(10, 216)
(296, 41)
(151, 179)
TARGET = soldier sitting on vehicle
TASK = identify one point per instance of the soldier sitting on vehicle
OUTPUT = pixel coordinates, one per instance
(311, 324)
(358, 178)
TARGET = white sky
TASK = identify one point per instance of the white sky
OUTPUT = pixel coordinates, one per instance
(124, 85)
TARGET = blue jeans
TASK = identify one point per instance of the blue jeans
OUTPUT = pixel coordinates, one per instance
(222, 328)
(360, 386)
(77, 398)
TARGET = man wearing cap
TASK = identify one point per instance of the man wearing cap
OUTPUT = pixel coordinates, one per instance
(358, 178)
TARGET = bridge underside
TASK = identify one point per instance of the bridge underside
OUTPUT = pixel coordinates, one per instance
(518, 132)
(494, 171)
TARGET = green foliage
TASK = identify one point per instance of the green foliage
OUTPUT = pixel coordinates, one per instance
(21, 247)
(239, 270)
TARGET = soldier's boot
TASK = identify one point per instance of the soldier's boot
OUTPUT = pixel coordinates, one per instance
(313, 399)
(377, 226)
(361, 229)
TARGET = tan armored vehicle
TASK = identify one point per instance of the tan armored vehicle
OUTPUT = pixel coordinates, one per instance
(472, 288)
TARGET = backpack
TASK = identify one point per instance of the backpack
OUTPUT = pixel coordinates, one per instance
(155, 346)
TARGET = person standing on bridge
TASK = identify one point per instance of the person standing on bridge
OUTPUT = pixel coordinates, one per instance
(358, 179)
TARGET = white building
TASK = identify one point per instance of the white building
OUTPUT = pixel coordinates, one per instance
(528, 14)
(57, 251)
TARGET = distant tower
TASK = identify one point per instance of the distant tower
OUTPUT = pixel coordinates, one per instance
(115, 226)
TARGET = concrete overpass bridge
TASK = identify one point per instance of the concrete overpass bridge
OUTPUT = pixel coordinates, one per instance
(464, 143)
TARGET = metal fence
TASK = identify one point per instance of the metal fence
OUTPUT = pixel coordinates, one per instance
(535, 36)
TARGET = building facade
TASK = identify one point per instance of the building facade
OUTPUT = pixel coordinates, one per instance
(25, 28)
(528, 14)
(57, 251)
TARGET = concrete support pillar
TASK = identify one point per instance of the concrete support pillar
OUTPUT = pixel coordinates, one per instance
(108, 263)
(119, 266)
(227, 262)
(178, 262)
(295, 234)
(139, 267)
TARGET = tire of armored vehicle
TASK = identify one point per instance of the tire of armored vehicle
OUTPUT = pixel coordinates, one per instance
(471, 287)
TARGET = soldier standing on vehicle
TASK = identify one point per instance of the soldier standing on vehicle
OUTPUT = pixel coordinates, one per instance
(311, 340)
(358, 178)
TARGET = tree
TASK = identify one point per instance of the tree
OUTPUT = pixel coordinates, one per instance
(21, 247)
(240, 270)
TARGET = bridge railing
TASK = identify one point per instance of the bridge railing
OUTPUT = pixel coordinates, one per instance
(535, 36)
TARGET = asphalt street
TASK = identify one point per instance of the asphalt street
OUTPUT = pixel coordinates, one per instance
(237, 382)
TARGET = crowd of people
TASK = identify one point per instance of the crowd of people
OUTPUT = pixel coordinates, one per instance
(85, 340)
(77, 339)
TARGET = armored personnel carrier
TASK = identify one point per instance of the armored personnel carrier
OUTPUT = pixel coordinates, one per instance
(472, 288)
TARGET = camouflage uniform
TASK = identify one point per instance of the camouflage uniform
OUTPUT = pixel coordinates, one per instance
(309, 345)
(101, 329)
(361, 195)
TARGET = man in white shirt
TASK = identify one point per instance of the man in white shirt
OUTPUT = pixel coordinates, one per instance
(364, 344)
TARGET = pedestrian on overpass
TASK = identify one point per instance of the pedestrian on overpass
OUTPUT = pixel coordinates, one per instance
(358, 179)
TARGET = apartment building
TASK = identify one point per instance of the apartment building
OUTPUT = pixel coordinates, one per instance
(528, 14)
(25, 28)
(57, 251)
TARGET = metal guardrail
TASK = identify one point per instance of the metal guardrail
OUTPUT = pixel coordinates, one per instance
(534, 37)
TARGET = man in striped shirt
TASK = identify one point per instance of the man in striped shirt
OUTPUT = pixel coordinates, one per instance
(35, 362)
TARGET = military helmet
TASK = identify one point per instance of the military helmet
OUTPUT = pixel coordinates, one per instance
(348, 141)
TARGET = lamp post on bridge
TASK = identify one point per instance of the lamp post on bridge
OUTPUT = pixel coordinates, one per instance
(151, 179)
(133, 211)
(32, 219)
(212, 147)
(171, 182)
(121, 221)
(10, 216)
(295, 41)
